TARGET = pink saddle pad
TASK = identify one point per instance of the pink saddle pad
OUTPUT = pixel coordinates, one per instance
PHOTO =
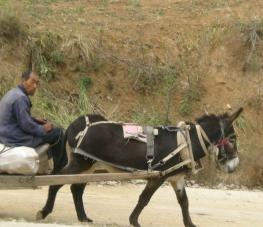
(134, 131)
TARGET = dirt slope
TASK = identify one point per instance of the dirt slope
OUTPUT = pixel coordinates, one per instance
(205, 43)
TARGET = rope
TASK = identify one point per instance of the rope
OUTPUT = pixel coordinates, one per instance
(4, 149)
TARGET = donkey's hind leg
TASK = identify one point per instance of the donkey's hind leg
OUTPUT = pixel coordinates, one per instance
(151, 186)
(76, 165)
(77, 193)
(179, 188)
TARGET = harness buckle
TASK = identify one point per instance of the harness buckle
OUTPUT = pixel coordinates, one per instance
(149, 162)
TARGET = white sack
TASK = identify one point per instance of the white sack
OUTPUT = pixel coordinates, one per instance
(18, 160)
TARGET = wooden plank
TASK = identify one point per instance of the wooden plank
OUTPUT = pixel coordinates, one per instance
(83, 178)
(165, 172)
(18, 181)
(190, 151)
(173, 153)
(15, 181)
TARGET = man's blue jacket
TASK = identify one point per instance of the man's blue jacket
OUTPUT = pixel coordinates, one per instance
(17, 126)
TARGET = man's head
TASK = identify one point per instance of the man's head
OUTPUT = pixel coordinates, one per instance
(30, 81)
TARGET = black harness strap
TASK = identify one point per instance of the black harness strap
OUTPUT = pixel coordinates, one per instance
(149, 131)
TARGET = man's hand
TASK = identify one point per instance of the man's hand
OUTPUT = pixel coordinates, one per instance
(48, 127)
(41, 121)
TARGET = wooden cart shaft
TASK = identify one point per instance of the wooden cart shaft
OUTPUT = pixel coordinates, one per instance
(18, 181)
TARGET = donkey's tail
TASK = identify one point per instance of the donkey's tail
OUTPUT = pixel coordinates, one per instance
(62, 159)
(64, 147)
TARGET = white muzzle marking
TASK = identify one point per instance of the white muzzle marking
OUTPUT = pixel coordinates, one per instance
(231, 165)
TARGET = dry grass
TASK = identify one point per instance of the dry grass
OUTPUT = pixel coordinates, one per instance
(79, 49)
(9, 77)
(84, 54)
(256, 172)
(253, 32)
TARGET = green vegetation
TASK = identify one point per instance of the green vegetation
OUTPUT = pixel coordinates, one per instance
(83, 101)
(169, 88)
(135, 3)
(47, 55)
(60, 110)
(147, 117)
(191, 96)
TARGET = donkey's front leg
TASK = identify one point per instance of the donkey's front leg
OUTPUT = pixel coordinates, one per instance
(179, 188)
(151, 186)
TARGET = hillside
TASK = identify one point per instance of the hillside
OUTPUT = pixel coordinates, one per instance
(152, 62)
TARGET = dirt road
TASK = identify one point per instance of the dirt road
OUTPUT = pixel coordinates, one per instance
(111, 206)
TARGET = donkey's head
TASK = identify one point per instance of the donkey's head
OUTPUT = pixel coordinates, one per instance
(222, 134)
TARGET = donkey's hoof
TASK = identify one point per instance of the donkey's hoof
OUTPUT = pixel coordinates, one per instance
(191, 225)
(134, 222)
(39, 215)
(86, 220)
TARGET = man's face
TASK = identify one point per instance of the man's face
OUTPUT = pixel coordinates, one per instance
(31, 83)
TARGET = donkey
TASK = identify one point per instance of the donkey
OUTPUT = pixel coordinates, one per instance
(106, 141)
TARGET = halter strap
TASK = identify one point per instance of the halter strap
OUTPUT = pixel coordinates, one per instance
(202, 136)
(81, 134)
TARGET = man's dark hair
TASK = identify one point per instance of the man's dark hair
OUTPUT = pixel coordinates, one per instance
(25, 75)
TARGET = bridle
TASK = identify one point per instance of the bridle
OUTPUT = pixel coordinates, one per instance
(223, 141)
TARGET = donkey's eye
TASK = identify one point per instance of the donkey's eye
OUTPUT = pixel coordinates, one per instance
(232, 139)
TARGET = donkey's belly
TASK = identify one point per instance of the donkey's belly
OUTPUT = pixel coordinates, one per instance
(130, 154)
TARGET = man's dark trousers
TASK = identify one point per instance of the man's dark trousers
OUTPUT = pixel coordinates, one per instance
(55, 139)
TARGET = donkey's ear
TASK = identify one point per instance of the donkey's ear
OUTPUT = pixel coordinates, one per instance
(234, 115)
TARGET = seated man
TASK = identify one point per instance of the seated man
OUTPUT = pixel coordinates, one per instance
(19, 128)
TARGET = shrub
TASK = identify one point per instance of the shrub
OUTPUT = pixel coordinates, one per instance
(84, 83)
(12, 29)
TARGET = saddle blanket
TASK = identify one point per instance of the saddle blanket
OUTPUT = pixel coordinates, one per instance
(134, 131)
(137, 132)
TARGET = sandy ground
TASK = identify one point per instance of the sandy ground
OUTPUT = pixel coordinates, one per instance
(111, 206)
